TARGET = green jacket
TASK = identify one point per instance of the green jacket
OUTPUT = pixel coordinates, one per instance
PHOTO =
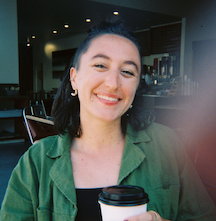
(41, 186)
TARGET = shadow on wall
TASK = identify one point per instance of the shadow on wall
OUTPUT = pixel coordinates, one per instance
(200, 133)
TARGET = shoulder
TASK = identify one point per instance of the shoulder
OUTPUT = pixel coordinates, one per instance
(157, 138)
(159, 131)
(165, 137)
(159, 128)
(46, 150)
(154, 132)
(42, 146)
(166, 144)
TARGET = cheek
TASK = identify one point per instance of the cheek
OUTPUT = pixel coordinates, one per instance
(81, 82)
(130, 96)
(131, 88)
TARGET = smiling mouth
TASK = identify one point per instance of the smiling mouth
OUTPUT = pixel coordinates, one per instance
(108, 98)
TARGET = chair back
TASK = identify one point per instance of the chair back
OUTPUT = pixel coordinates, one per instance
(37, 123)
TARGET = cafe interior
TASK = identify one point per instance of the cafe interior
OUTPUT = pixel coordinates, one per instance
(178, 48)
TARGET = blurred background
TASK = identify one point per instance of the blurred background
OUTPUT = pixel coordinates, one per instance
(178, 39)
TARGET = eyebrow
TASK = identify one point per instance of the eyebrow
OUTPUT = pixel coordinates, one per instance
(100, 56)
(132, 63)
(108, 58)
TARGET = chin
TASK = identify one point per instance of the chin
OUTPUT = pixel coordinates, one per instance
(110, 118)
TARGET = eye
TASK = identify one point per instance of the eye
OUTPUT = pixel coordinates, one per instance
(101, 66)
(128, 73)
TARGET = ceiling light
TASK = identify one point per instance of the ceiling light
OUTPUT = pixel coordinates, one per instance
(88, 20)
(66, 26)
(28, 44)
(115, 13)
(33, 36)
(55, 31)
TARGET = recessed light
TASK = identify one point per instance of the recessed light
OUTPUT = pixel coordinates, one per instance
(88, 20)
(33, 36)
(115, 13)
(55, 31)
(66, 26)
(28, 44)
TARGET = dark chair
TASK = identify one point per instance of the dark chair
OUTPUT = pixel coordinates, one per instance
(38, 124)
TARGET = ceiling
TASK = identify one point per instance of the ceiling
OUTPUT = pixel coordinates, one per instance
(40, 18)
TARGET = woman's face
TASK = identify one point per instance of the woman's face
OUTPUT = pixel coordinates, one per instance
(107, 78)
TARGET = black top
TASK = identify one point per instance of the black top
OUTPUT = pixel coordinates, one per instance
(88, 206)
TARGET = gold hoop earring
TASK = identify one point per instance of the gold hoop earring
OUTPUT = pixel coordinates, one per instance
(75, 93)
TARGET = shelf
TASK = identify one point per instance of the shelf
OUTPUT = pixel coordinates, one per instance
(4, 135)
(11, 113)
(13, 130)
(172, 107)
(12, 140)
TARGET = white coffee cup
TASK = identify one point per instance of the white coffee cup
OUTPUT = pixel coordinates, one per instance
(120, 202)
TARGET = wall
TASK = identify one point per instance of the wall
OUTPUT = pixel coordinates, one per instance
(199, 121)
(42, 56)
(200, 25)
(8, 43)
(199, 14)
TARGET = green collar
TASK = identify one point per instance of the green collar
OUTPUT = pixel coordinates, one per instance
(59, 145)
(137, 136)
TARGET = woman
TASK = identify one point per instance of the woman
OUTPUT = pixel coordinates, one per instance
(103, 141)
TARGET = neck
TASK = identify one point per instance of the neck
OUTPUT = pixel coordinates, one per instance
(97, 135)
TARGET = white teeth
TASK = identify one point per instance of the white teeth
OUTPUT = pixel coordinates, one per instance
(107, 98)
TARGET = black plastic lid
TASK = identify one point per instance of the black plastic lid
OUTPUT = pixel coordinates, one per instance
(123, 195)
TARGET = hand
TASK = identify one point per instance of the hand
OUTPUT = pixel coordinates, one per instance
(148, 216)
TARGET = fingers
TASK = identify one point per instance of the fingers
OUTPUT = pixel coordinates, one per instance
(155, 214)
(148, 216)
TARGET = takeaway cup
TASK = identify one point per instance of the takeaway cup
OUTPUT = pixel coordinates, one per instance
(120, 202)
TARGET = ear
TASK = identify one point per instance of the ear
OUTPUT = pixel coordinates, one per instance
(73, 74)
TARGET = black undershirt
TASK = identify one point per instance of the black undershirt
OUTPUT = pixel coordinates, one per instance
(88, 206)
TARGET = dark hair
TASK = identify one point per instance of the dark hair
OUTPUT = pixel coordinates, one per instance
(102, 28)
(66, 108)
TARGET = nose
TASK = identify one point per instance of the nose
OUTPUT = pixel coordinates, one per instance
(112, 80)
